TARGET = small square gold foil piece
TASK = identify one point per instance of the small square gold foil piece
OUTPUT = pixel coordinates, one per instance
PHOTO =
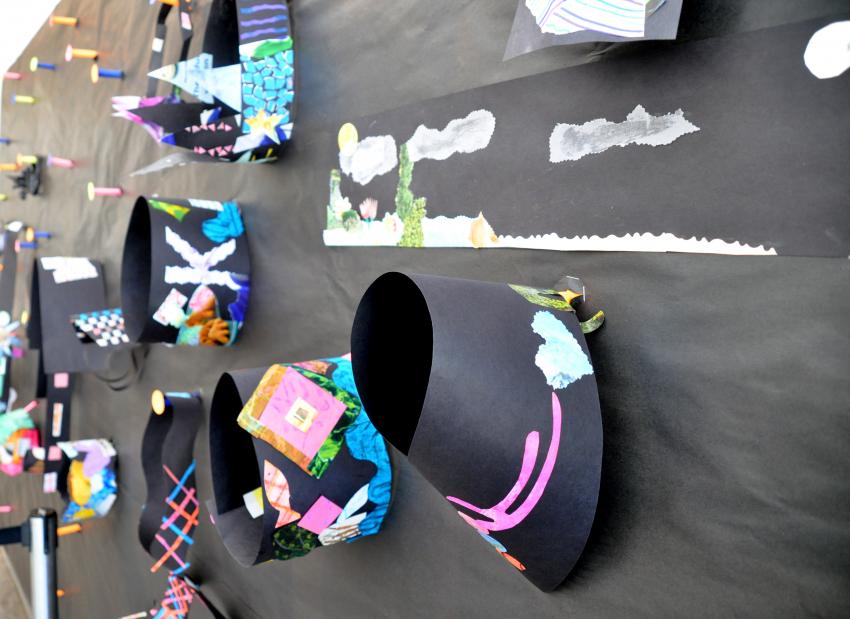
(301, 414)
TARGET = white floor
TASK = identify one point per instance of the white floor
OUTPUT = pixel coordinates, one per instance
(11, 604)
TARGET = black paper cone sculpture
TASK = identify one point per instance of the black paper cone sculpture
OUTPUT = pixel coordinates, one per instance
(185, 278)
(296, 462)
(171, 510)
(489, 390)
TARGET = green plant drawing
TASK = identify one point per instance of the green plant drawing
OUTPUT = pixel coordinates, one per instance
(335, 199)
(410, 210)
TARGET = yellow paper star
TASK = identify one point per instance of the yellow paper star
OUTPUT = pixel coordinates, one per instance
(265, 124)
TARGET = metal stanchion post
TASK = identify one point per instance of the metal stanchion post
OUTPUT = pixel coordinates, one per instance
(39, 534)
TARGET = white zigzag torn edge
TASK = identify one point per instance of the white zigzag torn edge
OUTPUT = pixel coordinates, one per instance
(442, 231)
(646, 242)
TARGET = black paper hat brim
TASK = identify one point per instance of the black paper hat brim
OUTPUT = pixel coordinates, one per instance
(235, 470)
(136, 272)
(148, 255)
(447, 370)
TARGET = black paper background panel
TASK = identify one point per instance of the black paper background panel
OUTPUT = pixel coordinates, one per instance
(8, 276)
(764, 169)
(486, 395)
(186, 272)
(59, 389)
(9, 272)
(58, 301)
(34, 324)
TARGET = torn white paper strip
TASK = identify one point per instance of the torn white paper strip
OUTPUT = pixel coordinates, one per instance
(458, 231)
(69, 269)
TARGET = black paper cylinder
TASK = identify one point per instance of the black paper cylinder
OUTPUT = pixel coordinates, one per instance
(292, 444)
(489, 390)
(171, 510)
(185, 277)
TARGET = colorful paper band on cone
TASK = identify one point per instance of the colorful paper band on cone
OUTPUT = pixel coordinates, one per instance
(185, 278)
(90, 486)
(296, 462)
(489, 390)
(171, 510)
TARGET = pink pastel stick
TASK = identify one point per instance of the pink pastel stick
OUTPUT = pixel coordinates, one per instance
(59, 162)
(108, 191)
(12, 75)
(112, 192)
(7, 509)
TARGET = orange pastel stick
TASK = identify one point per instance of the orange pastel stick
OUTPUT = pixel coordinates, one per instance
(72, 52)
(59, 20)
